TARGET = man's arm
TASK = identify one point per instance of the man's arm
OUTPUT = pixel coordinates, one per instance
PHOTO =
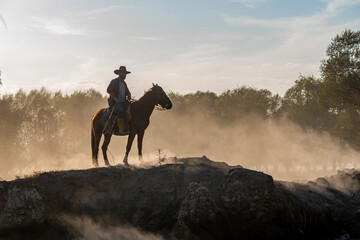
(114, 97)
(110, 91)
(129, 96)
(127, 92)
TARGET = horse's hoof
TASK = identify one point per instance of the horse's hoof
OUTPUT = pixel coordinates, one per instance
(95, 163)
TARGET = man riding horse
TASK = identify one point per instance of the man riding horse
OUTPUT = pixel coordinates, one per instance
(119, 103)
(141, 111)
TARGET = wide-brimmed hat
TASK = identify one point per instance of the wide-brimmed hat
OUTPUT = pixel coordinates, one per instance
(122, 69)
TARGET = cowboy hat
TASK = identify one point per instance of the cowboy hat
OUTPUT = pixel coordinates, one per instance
(122, 69)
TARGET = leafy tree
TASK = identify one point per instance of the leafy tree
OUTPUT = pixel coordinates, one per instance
(192, 104)
(229, 106)
(41, 122)
(341, 72)
(242, 102)
(78, 109)
(301, 104)
(9, 124)
(340, 94)
(348, 126)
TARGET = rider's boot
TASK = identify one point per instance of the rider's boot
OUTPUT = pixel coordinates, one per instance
(120, 125)
(115, 127)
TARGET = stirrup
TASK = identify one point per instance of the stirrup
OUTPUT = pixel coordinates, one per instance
(109, 127)
(116, 133)
(127, 128)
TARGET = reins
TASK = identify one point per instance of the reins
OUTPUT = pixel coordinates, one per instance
(109, 118)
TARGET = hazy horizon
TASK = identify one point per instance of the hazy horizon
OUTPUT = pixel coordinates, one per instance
(187, 46)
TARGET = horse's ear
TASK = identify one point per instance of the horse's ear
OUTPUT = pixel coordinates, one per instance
(157, 85)
(153, 85)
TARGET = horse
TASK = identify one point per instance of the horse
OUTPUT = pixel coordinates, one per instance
(141, 111)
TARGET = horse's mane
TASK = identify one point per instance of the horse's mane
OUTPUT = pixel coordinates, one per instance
(146, 93)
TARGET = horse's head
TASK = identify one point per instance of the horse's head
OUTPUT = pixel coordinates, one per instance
(160, 97)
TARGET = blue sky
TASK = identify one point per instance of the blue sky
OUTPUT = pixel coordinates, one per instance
(183, 46)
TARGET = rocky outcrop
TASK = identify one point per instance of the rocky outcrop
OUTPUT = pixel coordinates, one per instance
(24, 205)
(192, 198)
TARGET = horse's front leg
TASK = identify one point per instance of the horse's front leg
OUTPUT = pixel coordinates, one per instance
(128, 147)
(140, 137)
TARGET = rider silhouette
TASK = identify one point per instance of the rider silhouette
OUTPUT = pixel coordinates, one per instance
(119, 100)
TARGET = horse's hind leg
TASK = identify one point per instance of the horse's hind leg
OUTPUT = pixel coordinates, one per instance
(95, 141)
(104, 148)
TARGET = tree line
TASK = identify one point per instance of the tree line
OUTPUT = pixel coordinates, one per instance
(331, 103)
(42, 123)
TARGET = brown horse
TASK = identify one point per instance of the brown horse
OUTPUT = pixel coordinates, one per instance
(141, 111)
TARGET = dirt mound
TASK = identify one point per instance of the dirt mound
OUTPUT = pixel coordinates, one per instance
(193, 198)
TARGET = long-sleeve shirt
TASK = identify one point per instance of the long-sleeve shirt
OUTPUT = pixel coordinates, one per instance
(114, 87)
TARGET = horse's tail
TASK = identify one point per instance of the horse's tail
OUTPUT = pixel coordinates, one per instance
(94, 141)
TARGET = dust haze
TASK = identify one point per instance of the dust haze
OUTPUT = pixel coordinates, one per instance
(88, 229)
(278, 147)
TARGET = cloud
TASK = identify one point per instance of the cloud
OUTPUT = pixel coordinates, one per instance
(98, 12)
(249, 3)
(3, 21)
(285, 23)
(209, 60)
(109, 8)
(57, 26)
(299, 42)
(336, 4)
(294, 23)
(221, 62)
(148, 38)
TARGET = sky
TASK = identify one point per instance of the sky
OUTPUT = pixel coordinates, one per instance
(183, 45)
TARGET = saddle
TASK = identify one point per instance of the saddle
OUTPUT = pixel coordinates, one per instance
(115, 125)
